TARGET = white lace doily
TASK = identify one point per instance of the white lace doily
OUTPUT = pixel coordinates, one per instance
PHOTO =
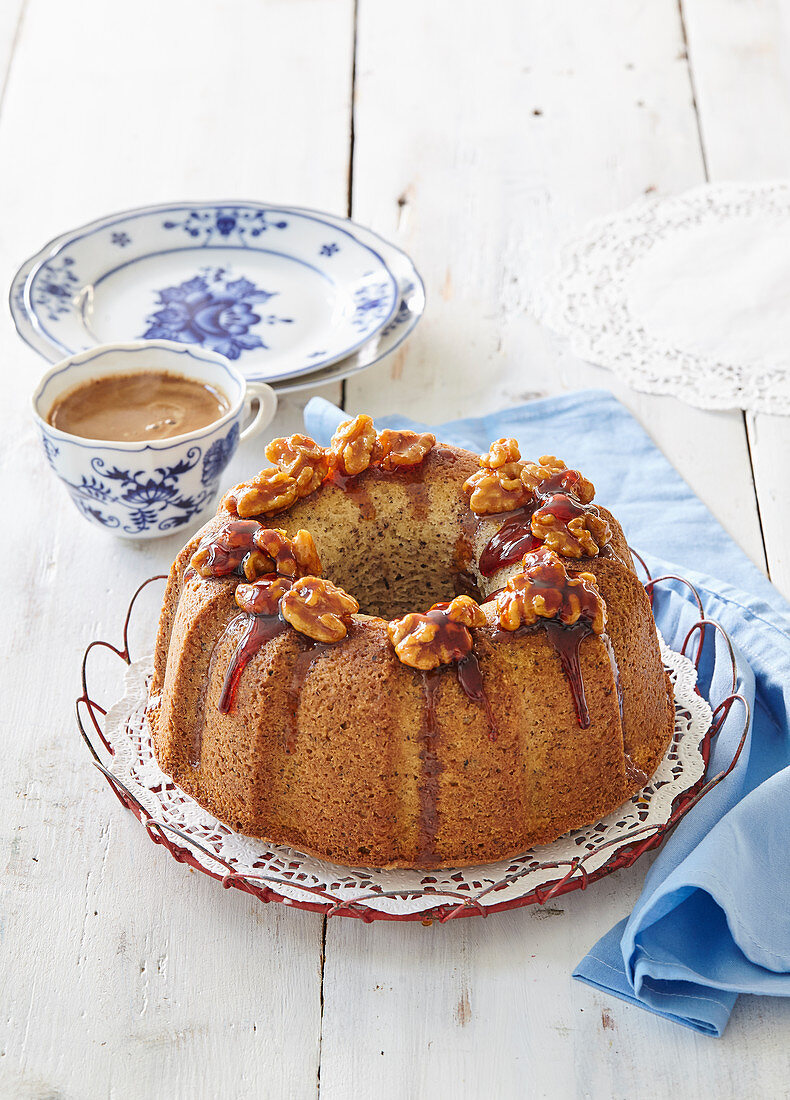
(684, 296)
(292, 875)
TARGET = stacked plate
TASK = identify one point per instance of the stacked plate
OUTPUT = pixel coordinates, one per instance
(296, 297)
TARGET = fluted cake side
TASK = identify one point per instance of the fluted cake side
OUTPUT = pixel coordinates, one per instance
(387, 736)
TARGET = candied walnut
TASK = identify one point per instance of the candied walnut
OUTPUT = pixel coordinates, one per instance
(463, 610)
(222, 552)
(439, 636)
(244, 546)
(404, 448)
(501, 453)
(301, 458)
(272, 490)
(263, 596)
(256, 564)
(569, 528)
(296, 557)
(546, 466)
(544, 590)
(550, 474)
(306, 554)
(353, 445)
(319, 609)
(292, 450)
(499, 490)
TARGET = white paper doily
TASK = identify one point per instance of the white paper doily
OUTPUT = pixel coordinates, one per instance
(685, 296)
(127, 733)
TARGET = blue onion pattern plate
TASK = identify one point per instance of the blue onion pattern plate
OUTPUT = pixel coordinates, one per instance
(409, 312)
(281, 291)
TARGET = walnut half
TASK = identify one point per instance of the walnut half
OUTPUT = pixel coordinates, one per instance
(569, 528)
(550, 474)
(263, 596)
(441, 635)
(319, 609)
(222, 552)
(301, 458)
(399, 449)
(497, 490)
(353, 445)
(500, 453)
(290, 557)
(545, 590)
(271, 491)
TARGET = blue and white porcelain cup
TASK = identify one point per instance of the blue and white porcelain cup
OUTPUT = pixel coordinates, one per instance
(146, 490)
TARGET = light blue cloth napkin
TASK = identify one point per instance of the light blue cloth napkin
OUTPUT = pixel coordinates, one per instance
(713, 919)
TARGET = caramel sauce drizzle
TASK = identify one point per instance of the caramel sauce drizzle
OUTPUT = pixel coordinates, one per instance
(514, 538)
(566, 641)
(410, 477)
(413, 482)
(470, 678)
(633, 773)
(510, 543)
(468, 674)
(310, 651)
(255, 632)
(259, 630)
(428, 820)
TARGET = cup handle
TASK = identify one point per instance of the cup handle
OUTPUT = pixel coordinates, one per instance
(267, 407)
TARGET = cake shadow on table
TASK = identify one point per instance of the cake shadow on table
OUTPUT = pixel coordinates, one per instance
(302, 695)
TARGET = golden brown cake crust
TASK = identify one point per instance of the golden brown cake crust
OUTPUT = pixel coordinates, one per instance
(344, 751)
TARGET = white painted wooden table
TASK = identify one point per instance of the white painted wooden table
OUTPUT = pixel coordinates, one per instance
(475, 135)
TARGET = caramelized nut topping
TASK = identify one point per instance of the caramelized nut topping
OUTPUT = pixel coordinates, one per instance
(301, 466)
(256, 564)
(439, 636)
(301, 458)
(296, 557)
(353, 445)
(550, 473)
(245, 547)
(288, 450)
(544, 590)
(222, 552)
(544, 468)
(500, 453)
(568, 528)
(504, 483)
(463, 610)
(404, 448)
(272, 490)
(319, 609)
(263, 596)
(306, 554)
(499, 490)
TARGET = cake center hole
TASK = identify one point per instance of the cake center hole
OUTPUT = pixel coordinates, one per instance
(390, 575)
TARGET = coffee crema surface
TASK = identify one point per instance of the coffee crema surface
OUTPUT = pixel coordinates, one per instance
(138, 406)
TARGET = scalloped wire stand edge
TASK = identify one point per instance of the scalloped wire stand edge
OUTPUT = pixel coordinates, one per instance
(574, 877)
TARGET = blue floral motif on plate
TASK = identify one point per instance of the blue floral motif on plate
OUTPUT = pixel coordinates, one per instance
(214, 311)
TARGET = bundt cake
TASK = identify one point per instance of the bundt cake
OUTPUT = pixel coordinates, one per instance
(302, 695)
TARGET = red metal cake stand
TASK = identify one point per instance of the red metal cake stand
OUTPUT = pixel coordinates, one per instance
(436, 900)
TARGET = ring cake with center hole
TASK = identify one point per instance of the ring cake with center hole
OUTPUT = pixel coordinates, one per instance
(303, 694)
